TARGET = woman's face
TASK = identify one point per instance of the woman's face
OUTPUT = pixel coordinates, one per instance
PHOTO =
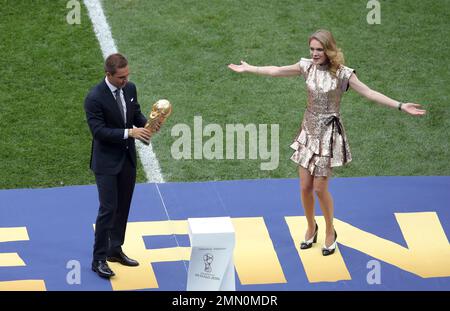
(317, 52)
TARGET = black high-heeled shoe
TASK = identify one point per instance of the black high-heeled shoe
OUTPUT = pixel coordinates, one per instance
(309, 243)
(326, 251)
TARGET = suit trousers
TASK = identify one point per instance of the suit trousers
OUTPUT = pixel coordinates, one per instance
(115, 193)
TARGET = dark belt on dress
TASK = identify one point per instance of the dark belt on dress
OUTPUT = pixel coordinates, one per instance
(337, 125)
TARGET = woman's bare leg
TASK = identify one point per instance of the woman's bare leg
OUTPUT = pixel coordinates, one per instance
(307, 197)
(326, 205)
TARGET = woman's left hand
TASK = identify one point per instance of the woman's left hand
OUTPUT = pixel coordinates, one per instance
(413, 109)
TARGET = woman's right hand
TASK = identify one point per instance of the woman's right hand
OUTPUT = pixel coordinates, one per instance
(243, 67)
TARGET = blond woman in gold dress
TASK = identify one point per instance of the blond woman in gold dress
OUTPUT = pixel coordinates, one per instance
(321, 143)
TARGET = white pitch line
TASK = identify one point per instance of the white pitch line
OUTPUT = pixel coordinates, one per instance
(168, 217)
(103, 32)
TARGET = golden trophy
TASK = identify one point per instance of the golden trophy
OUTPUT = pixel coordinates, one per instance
(160, 111)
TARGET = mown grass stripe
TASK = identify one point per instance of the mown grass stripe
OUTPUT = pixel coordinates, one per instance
(103, 33)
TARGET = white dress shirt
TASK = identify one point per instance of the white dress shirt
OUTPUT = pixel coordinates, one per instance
(113, 91)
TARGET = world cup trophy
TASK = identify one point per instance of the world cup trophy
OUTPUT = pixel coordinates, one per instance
(160, 111)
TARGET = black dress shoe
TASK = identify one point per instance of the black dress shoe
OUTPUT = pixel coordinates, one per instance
(121, 258)
(327, 251)
(102, 269)
(309, 243)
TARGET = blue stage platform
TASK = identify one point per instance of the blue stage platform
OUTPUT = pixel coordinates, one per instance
(392, 234)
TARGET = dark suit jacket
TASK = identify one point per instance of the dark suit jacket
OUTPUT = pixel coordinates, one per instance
(109, 149)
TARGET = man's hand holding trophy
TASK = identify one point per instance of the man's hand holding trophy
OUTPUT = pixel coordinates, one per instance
(160, 111)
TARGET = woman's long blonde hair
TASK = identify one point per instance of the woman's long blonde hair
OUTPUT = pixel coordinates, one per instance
(334, 54)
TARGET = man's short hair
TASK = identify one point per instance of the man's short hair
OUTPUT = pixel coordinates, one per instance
(115, 61)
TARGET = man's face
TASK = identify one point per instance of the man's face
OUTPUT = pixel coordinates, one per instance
(120, 78)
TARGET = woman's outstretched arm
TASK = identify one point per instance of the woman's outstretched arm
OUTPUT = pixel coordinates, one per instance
(273, 71)
(364, 90)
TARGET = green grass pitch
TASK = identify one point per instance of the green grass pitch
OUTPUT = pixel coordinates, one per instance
(179, 50)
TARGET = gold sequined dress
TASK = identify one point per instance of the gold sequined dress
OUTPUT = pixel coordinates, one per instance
(321, 143)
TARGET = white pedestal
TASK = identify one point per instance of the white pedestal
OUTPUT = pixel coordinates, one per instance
(211, 266)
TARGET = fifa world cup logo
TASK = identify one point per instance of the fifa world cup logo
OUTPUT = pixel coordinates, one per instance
(208, 259)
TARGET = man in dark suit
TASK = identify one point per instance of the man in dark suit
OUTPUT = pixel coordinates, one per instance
(112, 109)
